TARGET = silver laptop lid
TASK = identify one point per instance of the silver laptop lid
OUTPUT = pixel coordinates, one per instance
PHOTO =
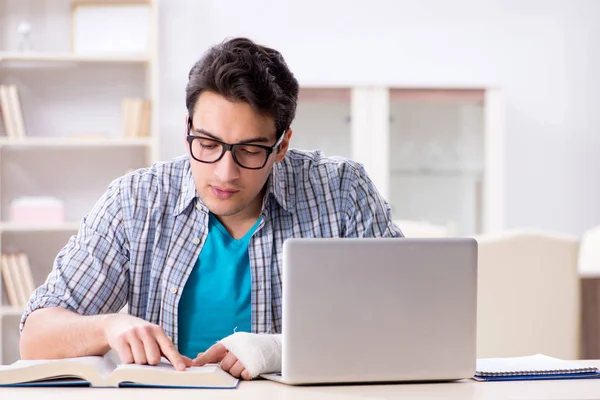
(360, 310)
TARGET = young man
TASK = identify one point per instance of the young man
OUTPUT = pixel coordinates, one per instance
(194, 246)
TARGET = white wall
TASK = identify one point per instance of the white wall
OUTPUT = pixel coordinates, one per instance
(544, 53)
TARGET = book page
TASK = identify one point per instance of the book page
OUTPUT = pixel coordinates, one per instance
(529, 365)
(165, 375)
(166, 366)
(96, 361)
(93, 369)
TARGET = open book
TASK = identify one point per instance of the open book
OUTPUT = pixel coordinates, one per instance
(534, 367)
(99, 371)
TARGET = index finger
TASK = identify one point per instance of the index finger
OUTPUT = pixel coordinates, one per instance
(214, 354)
(168, 349)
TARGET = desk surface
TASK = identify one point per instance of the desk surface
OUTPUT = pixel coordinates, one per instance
(261, 389)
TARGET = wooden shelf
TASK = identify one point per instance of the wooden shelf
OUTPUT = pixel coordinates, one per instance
(60, 142)
(32, 57)
(20, 227)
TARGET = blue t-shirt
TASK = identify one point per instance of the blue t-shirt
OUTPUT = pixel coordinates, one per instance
(216, 297)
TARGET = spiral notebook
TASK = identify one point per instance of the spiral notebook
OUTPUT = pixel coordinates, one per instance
(534, 367)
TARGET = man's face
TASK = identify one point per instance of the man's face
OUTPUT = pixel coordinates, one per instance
(226, 188)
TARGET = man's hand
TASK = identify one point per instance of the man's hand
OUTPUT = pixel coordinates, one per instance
(229, 362)
(140, 342)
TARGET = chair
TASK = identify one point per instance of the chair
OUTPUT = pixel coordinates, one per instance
(589, 271)
(589, 253)
(528, 295)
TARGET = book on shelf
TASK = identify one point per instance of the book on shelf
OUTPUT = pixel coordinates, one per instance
(98, 371)
(136, 117)
(3, 117)
(17, 278)
(26, 276)
(6, 111)
(9, 283)
(535, 367)
(12, 114)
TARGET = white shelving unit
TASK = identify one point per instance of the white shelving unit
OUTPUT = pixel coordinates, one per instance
(323, 121)
(436, 154)
(74, 145)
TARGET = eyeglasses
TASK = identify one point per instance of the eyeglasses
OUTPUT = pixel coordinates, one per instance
(209, 151)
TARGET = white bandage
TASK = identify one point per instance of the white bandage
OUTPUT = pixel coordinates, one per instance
(259, 353)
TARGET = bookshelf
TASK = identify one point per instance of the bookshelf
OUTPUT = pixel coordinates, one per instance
(78, 134)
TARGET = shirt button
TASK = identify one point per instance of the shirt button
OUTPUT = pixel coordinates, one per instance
(173, 290)
(198, 205)
(196, 240)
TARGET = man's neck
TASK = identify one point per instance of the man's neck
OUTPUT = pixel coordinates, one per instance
(240, 223)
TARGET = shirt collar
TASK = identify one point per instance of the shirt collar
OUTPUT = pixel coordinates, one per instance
(278, 187)
(188, 190)
(283, 193)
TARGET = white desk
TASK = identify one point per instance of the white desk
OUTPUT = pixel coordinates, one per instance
(468, 389)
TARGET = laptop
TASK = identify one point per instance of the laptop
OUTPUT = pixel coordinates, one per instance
(378, 310)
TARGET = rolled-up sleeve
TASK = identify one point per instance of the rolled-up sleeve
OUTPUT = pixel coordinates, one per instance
(367, 213)
(90, 274)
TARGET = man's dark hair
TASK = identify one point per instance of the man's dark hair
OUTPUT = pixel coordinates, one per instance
(241, 70)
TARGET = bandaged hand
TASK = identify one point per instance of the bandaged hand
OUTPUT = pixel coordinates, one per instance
(245, 355)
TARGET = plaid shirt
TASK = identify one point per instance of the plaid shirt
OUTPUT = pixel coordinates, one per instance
(141, 240)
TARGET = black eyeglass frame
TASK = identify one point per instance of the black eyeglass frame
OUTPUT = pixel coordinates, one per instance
(231, 147)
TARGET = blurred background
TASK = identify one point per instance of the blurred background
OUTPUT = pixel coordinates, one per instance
(474, 118)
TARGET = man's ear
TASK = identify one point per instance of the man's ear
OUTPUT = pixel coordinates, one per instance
(185, 129)
(284, 146)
